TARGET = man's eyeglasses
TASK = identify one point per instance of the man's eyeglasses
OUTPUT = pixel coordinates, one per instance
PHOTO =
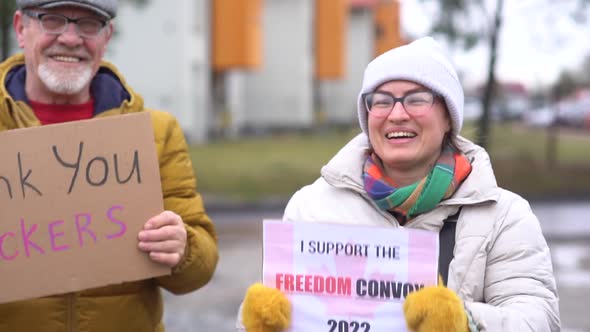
(56, 24)
(415, 103)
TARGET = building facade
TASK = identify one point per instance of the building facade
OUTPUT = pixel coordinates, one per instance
(224, 68)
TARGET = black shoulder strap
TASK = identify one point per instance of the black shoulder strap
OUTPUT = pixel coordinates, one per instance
(447, 245)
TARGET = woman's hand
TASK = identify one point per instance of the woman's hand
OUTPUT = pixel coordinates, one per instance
(265, 309)
(435, 308)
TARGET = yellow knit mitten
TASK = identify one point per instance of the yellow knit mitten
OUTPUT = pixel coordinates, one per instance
(265, 309)
(435, 308)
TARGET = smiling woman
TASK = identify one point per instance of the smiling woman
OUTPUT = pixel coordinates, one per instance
(408, 149)
(410, 168)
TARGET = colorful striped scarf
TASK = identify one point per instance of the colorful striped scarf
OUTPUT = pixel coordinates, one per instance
(407, 202)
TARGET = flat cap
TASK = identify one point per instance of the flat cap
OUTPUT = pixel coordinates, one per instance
(106, 8)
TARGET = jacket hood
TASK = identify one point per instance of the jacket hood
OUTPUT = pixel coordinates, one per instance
(108, 88)
(345, 170)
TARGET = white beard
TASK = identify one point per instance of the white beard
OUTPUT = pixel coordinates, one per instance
(67, 82)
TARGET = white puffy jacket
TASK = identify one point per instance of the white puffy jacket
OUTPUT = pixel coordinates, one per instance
(502, 266)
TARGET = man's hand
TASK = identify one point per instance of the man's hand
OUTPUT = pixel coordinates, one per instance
(164, 238)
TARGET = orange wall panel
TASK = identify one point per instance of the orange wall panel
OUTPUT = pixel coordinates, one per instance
(387, 23)
(363, 3)
(331, 18)
(236, 34)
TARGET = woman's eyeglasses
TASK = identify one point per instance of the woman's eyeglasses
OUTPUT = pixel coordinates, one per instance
(381, 103)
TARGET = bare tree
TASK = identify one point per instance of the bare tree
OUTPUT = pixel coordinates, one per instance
(465, 23)
(565, 85)
(6, 11)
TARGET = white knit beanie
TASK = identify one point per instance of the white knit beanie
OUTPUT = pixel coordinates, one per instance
(424, 62)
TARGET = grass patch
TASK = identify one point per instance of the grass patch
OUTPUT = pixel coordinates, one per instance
(254, 168)
(520, 162)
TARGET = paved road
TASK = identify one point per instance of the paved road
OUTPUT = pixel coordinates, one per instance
(214, 307)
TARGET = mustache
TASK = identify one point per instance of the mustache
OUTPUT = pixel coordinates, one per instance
(77, 51)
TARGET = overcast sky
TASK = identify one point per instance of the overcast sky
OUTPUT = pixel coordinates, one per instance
(539, 39)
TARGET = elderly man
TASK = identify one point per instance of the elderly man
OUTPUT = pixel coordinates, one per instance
(61, 77)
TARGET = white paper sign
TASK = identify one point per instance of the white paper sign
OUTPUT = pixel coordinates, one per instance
(342, 278)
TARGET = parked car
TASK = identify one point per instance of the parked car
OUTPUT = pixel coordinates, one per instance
(512, 109)
(472, 109)
(573, 113)
(543, 116)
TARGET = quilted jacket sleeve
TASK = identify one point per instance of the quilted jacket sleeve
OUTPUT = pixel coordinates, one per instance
(519, 287)
(180, 196)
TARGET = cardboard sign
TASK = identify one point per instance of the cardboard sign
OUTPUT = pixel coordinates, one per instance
(347, 278)
(73, 199)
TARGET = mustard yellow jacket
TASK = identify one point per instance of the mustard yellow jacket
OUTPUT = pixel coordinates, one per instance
(132, 306)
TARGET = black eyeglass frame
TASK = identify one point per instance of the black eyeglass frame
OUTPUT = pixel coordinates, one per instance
(401, 99)
(39, 17)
